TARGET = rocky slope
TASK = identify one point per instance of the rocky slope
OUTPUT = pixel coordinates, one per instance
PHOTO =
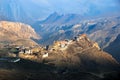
(11, 32)
(79, 54)
(106, 31)
(82, 53)
(102, 30)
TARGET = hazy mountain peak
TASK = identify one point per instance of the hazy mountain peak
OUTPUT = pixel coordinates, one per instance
(28, 11)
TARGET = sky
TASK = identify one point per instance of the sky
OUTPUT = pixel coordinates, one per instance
(92, 7)
(40, 9)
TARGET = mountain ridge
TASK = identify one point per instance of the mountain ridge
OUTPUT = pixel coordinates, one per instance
(78, 54)
(90, 27)
(11, 31)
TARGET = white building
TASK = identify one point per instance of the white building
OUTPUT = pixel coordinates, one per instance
(45, 55)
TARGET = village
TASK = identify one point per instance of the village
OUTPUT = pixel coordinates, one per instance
(39, 53)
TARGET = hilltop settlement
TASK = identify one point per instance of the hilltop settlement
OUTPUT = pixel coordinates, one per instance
(38, 53)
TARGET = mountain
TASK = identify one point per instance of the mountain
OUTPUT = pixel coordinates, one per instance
(80, 56)
(12, 32)
(113, 48)
(55, 27)
(57, 19)
(29, 11)
(54, 22)
(103, 30)
(69, 59)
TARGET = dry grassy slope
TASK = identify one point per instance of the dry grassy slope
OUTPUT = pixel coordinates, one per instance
(13, 31)
(84, 55)
(25, 42)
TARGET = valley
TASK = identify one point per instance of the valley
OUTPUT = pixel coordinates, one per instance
(54, 53)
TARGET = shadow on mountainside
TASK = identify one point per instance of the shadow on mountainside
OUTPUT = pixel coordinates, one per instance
(29, 70)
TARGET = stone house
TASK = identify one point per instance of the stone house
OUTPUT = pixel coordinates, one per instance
(45, 55)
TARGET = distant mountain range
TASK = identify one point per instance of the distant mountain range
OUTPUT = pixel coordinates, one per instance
(69, 26)
(57, 19)
(29, 11)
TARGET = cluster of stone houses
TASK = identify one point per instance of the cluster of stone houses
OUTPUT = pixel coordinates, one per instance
(24, 50)
(31, 51)
(62, 45)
